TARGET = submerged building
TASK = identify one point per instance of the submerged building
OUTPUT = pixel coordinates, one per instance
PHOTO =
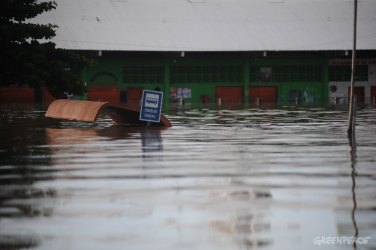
(227, 51)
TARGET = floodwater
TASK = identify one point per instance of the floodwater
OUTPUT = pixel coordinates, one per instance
(218, 179)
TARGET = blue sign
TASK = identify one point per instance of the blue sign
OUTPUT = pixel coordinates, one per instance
(151, 106)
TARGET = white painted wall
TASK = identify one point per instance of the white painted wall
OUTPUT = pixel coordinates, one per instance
(342, 91)
(341, 94)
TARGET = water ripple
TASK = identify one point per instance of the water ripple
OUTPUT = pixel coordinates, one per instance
(218, 179)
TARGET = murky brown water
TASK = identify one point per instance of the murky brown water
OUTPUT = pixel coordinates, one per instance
(218, 179)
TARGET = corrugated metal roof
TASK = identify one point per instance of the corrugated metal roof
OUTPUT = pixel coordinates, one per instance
(211, 25)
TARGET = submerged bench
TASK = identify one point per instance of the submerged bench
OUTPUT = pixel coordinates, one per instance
(88, 111)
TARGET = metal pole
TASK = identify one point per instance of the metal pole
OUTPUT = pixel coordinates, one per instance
(353, 67)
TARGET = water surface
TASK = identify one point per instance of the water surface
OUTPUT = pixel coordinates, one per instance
(218, 179)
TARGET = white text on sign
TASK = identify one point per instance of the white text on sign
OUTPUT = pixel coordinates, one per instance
(151, 100)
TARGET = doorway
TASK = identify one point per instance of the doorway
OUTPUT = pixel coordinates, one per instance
(229, 95)
(263, 95)
(359, 93)
(104, 92)
(373, 95)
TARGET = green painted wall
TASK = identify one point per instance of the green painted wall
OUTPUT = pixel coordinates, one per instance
(308, 76)
(202, 74)
(105, 70)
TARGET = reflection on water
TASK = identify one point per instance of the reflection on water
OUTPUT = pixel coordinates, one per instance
(352, 144)
(218, 179)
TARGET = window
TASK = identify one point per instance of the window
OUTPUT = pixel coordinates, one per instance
(206, 74)
(143, 74)
(286, 73)
(266, 74)
(343, 73)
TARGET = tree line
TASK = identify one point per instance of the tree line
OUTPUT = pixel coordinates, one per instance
(28, 57)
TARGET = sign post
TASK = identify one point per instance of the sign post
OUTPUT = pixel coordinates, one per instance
(151, 106)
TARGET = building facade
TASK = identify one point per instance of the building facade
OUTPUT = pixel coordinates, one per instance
(267, 78)
(220, 51)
